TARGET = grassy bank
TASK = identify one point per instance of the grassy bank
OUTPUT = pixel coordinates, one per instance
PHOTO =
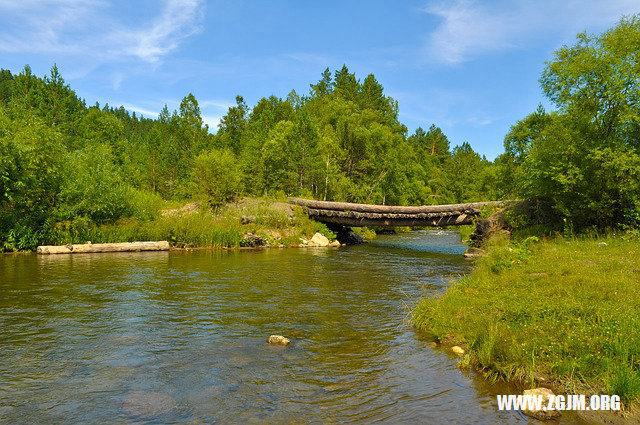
(563, 313)
(230, 226)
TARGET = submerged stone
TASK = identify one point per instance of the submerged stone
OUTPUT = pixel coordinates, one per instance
(278, 340)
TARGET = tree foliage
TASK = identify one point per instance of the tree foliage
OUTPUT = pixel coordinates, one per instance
(582, 160)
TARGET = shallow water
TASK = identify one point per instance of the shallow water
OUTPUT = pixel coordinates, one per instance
(180, 337)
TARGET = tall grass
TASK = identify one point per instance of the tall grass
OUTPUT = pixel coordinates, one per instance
(565, 309)
(224, 227)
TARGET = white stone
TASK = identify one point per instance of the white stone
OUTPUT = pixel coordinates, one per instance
(542, 415)
(278, 340)
(458, 350)
(319, 240)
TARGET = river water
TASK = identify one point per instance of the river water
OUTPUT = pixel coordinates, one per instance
(180, 337)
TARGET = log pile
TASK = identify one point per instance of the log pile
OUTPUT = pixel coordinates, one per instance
(104, 247)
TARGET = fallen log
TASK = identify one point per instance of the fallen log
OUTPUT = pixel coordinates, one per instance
(103, 247)
(354, 214)
(448, 220)
(388, 209)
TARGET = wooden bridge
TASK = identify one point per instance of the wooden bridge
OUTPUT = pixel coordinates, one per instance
(358, 215)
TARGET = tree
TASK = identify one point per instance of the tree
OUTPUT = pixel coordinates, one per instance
(217, 176)
(277, 159)
(6, 86)
(30, 176)
(324, 86)
(346, 85)
(232, 126)
(93, 186)
(580, 161)
(521, 136)
(464, 170)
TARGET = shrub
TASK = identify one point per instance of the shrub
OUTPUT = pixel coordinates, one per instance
(217, 176)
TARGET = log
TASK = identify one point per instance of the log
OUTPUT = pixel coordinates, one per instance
(450, 220)
(354, 214)
(104, 247)
(388, 209)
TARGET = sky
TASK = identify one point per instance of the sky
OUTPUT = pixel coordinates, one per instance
(469, 67)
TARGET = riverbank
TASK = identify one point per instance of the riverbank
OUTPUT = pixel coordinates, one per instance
(250, 222)
(559, 313)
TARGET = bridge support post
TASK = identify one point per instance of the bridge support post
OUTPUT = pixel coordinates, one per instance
(345, 235)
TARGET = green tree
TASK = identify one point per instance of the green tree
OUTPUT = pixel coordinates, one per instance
(217, 176)
(581, 160)
(464, 170)
(232, 126)
(30, 176)
(93, 187)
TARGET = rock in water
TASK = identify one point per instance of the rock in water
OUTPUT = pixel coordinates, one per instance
(335, 244)
(278, 340)
(319, 240)
(541, 414)
(458, 350)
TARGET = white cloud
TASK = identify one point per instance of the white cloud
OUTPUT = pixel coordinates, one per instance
(212, 121)
(140, 110)
(469, 28)
(91, 30)
(178, 20)
(214, 103)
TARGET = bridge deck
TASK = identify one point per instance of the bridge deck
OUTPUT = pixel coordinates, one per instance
(357, 215)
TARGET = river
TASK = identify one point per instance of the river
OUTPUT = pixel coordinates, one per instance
(180, 337)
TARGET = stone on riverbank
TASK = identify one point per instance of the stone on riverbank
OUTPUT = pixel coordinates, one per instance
(542, 415)
(319, 240)
(458, 350)
(278, 340)
(335, 244)
(252, 240)
(473, 253)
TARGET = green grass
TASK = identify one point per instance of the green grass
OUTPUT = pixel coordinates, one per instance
(276, 222)
(564, 309)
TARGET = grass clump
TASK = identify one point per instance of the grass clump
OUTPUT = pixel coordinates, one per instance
(564, 309)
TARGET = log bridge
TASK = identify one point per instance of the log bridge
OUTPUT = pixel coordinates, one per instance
(358, 215)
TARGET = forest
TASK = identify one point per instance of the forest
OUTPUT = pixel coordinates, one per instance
(66, 165)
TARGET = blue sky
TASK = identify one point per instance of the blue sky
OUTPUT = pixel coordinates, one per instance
(470, 67)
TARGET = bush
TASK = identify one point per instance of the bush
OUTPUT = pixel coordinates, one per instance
(217, 176)
(92, 187)
(144, 205)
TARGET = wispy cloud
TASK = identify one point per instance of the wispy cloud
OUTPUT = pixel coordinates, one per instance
(89, 28)
(178, 20)
(215, 103)
(212, 110)
(148, 113)
(468, 28)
